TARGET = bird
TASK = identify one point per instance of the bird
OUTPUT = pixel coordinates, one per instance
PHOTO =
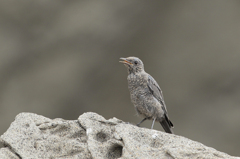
(146, 95)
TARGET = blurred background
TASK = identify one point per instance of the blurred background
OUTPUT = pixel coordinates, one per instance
(60, 59)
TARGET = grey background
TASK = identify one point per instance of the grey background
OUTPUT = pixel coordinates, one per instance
(60, 59)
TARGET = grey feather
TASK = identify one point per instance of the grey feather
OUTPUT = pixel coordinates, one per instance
(145, 93)
(157, 93)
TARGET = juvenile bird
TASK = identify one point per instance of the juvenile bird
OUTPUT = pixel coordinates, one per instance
(146, 95)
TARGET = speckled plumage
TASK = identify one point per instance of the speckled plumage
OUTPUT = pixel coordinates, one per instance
(146, 94)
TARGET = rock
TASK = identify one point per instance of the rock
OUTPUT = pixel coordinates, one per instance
(92, 136)
(34, 136)
(6, 153)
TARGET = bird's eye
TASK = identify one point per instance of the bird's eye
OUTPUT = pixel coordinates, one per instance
(135, 62)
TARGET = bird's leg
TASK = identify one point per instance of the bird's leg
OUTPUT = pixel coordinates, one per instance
(141, 121)
(153, 123)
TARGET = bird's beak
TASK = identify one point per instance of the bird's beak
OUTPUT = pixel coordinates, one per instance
(125, 61)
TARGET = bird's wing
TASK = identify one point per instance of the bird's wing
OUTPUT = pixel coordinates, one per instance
(156, 91)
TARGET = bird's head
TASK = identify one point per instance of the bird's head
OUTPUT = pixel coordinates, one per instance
(133, 64)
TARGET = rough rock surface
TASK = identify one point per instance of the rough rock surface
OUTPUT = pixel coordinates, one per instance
(92, 136)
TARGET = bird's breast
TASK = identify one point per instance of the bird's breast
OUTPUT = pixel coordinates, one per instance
(136, 82)
(137, 86)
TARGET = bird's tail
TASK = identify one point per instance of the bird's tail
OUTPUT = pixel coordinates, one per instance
(167, 125)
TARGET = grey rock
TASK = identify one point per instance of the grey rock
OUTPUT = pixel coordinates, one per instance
(92, 136)
(6, 153)
(35, 136)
